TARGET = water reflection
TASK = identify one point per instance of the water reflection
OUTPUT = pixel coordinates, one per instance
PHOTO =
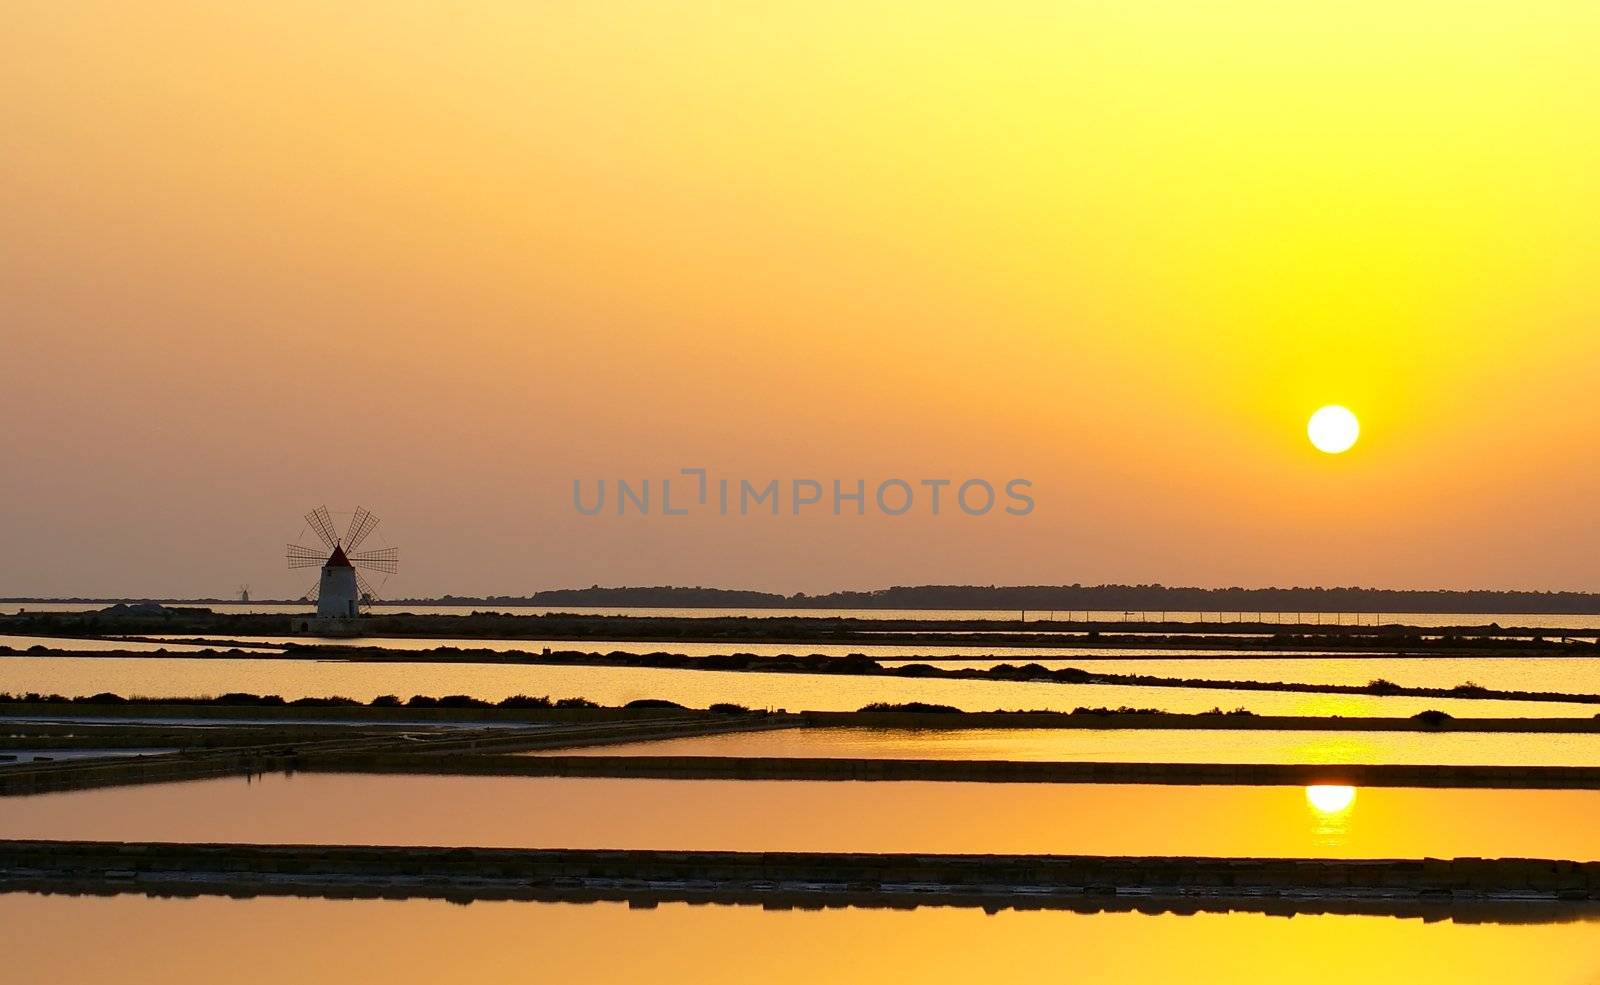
(1132, 746)
(786, 815)
(1570, 675)
(319, 942)
(177, 675)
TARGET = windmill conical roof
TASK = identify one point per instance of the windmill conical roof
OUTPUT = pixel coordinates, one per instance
(337, 558)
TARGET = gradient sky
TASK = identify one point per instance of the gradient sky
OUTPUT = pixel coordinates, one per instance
(441, 259)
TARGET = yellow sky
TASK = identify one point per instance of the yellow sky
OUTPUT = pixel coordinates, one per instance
(442, 259)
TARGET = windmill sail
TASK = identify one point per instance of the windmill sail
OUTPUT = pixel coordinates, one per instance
(385, 559)
(361, 525)
(305, 557)
(322, 525)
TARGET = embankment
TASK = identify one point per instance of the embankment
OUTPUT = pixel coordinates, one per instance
(816, 878)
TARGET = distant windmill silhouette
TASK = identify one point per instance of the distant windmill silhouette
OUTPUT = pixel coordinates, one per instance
(244, 593)
(343, 587)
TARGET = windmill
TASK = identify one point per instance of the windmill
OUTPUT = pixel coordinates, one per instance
(343, 588)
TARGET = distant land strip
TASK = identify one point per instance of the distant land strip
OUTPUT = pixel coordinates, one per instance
(1102, 598)
(1033, 598)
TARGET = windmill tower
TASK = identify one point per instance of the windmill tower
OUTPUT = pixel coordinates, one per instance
(343, 590)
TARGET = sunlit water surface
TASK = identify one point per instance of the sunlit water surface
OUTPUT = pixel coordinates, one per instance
(878, 651)
(1567, 675)
(143, 941)
(1130, 746)
(175, 675)
(776, 815)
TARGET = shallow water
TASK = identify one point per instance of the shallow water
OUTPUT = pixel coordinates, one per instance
(779, 815)
(882, 651)
(173, 676)
(1129, 746)
(1568, 675)
(323, 942)
(1572, 675)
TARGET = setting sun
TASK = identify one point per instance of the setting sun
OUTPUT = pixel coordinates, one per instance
(1330, 798)
(1333, 429)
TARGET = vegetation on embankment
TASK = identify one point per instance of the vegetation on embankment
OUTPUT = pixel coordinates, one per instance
(782, 629)
(911, 715)
(383, 706)
(854, 878)
(852, 665)
(831, 768)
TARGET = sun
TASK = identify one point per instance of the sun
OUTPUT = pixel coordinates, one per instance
(1333, 429)
(1327, 798)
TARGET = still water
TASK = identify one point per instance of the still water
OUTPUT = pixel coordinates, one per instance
(780, 815)
(1568, 675)
(1128, 746)
(324, 942)
(1572, 675)
(883, 651)
(186, 676)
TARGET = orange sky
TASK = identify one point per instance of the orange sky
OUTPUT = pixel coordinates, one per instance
(442, 260)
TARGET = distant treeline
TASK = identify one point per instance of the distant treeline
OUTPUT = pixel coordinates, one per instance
(1067, 598)
(1149, 600)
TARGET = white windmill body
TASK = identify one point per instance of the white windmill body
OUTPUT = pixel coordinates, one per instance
(342, 590)
(338, 594)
